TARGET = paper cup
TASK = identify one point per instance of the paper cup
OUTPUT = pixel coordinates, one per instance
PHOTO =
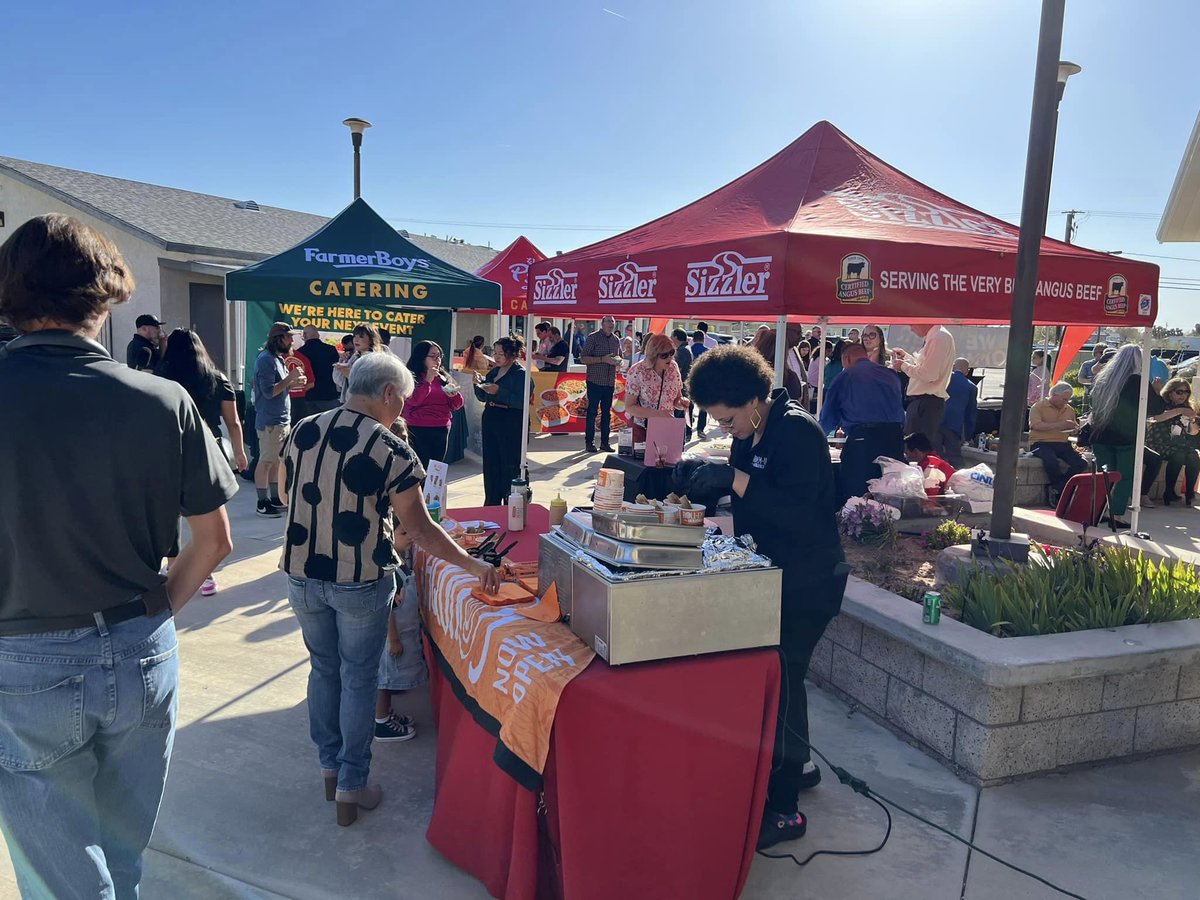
(610, 478)
(693, 516)
(669, 514)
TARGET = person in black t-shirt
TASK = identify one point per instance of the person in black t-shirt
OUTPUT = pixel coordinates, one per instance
(145, 350)
(324, 394)
(555, 359)
(90, 668)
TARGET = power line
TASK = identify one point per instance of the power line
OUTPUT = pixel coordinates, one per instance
(1154, 256)
(533, 226)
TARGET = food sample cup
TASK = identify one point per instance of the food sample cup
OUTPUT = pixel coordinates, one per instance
(693, 516)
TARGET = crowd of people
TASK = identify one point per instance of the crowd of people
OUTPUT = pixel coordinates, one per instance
(343, 435)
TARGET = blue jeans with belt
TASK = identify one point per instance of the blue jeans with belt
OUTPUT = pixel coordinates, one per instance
(345, 628)
(87, 723)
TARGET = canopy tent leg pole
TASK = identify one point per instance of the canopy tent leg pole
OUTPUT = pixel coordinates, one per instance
(823, 322)
(499, 325)
(453, 337)
(525, 412)
(780, 349)
(1139, 446)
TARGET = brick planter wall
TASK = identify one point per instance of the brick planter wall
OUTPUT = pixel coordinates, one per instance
(999, 708)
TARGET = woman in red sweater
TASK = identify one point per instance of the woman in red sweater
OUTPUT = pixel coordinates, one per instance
(430, 409)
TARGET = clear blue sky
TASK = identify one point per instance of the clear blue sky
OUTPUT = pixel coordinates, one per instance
(560, 113)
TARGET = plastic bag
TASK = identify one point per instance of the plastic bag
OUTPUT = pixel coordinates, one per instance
(975, 484)
(898, 479)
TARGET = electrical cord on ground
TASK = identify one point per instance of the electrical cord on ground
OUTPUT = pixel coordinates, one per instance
(861, 787)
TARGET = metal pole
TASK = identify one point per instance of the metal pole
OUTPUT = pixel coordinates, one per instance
(1139, 446)
(780, 350)
(1038, 163)
(525, 400)
(356, 139)
(824, 323)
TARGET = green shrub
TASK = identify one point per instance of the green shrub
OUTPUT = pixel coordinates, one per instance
(1074, 590)
(948, 534)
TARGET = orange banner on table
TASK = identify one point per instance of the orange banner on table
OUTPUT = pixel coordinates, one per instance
(512, 668)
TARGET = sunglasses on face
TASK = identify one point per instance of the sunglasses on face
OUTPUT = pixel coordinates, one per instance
(667, 355)
(1184, 391)
(870, 334)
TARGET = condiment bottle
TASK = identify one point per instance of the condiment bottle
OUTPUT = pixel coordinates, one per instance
(558, 510)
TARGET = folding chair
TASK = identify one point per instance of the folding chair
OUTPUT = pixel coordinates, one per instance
(1086, 496)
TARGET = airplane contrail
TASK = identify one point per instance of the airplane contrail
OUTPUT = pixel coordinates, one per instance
(611, 13)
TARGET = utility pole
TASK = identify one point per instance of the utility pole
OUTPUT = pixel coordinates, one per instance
(1071, 214)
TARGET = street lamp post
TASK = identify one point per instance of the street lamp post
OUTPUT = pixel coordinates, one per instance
(1050, 80)
(357, 127)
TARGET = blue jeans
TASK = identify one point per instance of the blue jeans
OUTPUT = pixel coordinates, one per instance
(344, 628)
(87, 722)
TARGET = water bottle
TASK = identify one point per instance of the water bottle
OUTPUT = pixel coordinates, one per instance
(516, 507)
(435, 510)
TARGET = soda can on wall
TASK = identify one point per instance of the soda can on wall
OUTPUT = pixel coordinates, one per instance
(931, 612)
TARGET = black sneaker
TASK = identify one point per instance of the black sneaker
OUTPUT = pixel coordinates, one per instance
(607, 448)
(777, 828)
(396, 728)
(268, 509)
(809, 780)
(590, 448)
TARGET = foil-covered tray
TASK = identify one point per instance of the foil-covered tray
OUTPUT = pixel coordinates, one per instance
(577, 527)
(641, 528)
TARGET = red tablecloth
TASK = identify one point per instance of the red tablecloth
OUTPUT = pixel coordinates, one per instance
(654, 786)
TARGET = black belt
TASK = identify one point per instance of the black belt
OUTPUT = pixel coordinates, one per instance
(114, 615)
(499, 406)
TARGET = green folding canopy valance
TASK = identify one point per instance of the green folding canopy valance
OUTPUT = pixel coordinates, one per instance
(359, 259)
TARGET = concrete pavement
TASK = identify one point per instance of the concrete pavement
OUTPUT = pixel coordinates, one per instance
(244, 815)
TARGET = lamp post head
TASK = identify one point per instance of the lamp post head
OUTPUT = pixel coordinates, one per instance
(1065, 71)
(358, 126)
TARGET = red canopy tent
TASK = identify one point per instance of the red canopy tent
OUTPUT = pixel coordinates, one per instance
(510, 270)
(825, 229)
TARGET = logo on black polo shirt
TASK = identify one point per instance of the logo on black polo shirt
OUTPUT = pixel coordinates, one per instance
(854, 283)
(759, 462)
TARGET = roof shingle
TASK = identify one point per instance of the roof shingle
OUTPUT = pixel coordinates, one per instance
(189, 222)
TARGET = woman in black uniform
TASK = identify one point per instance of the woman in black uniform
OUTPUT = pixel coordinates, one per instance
(781, 481)
(502, 390)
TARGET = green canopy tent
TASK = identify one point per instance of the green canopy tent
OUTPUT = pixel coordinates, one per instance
(356, 269)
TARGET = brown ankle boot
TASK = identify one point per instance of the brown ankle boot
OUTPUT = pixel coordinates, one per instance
(349, 802)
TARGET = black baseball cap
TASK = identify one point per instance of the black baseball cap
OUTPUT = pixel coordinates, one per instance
(147, 319)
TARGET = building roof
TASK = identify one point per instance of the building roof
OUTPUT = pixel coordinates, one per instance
(188, 222)
(1181, 217)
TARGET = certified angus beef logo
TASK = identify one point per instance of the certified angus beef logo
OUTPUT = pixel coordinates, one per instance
(627, 283)
(854, 282)
(1116, 301)
(728, 276)
(556, 286)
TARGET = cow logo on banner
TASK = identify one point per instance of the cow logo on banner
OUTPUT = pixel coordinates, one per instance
(728, 276)
(556, 286)
(627, 283)
(854, 283)
(1145, 305)
(1116, 300)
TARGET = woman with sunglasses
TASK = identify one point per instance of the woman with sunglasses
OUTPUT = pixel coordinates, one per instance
(781, 481)
(876, 345)
(653, 387)
(1175, 435)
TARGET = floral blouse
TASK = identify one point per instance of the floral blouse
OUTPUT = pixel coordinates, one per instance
(645, 387)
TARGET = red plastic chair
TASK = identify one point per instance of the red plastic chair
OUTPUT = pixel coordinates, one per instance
(1084, 498)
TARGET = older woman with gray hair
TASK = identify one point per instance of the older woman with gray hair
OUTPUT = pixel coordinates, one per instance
(1051, 423)
(346, 475)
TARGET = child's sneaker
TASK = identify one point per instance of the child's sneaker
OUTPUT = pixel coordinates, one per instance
(209, 587)
(395, 728)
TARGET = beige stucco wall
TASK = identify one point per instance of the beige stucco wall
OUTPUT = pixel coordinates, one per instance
(160, 291)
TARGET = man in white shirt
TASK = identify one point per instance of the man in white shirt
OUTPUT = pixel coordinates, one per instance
(1037, 378)
(710, 342)
(929, 374)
